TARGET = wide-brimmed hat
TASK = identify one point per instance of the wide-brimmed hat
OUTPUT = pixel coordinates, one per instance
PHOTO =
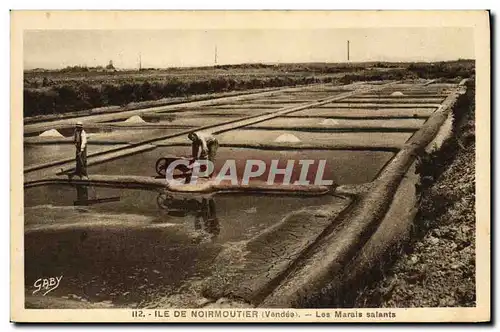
(79, 124)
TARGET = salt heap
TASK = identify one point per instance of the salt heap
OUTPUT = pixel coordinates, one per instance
(135, 119)
(397, 93)
(51, 133)
(329, 122)
(288, 138)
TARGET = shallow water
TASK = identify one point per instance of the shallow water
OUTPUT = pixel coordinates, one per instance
(368, 112)
(132, 252)
(342, 166)
(322, 123)
(354, 139)
(37, 154)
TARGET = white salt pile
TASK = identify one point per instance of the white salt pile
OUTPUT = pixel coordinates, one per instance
(397, 93)
(51, 133)
(329, 122)
(135, 119)
(288, 138)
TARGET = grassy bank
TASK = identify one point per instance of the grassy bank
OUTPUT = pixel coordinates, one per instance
(80, 88)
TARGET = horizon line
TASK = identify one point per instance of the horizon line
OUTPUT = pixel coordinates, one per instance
(254, 63)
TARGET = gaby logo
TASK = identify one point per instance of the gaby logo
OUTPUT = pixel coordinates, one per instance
(304, 172)
(46, 285)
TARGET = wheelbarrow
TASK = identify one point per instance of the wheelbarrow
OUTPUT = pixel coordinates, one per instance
(165, 161)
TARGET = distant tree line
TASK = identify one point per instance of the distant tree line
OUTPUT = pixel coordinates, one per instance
(79, 69)
(439, 70)
(68, 98)
(79, 95)
(461, 68)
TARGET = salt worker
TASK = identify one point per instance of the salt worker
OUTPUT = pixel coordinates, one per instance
(204, 145)
(80, 141)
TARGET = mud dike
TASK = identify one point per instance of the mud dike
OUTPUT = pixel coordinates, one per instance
(304, 246)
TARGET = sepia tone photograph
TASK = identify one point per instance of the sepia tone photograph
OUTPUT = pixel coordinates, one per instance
(247, 170)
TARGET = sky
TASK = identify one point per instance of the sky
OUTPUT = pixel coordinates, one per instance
(180, 48)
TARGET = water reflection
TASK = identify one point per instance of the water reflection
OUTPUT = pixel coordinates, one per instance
(203, 209)
(82, 197)
(208, 216)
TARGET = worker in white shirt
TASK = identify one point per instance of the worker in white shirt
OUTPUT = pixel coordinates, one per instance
(80, 141)
(204, 145)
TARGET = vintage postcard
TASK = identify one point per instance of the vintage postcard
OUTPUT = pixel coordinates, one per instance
(250, 166)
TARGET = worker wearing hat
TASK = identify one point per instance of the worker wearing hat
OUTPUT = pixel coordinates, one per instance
(80, 140)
